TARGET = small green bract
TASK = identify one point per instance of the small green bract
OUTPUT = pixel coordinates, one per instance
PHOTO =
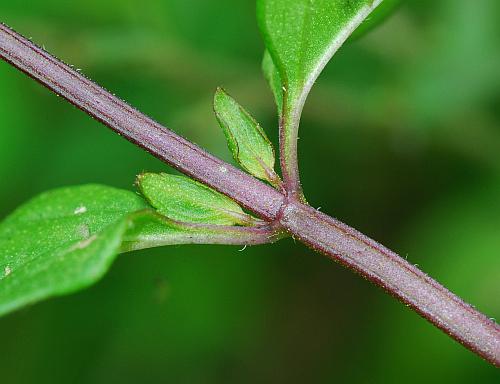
(245, 138)
(183, 199)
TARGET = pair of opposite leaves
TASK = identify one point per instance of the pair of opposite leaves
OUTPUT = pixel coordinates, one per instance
(64, 240)
(183, 199)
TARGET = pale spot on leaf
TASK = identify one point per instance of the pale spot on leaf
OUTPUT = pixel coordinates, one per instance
(81, 209)
(83, 231)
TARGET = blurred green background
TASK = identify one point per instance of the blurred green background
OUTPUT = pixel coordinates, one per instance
(400, 138)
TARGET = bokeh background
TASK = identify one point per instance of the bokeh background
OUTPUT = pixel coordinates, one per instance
(400, 138)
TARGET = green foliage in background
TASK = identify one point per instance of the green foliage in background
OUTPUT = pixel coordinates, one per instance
(406, 120)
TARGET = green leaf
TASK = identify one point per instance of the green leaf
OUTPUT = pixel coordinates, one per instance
(301, 37)
(61, 241)
(272, 76)
(245, 138)
(65, 240)
(183, 199)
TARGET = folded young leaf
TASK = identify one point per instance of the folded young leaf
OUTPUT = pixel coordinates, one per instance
(246, 139)
(273, 78)
(183, 199)
(61, 241)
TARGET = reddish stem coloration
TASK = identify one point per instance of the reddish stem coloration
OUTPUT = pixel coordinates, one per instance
(401, 279)
(319, 231)
(137, 127)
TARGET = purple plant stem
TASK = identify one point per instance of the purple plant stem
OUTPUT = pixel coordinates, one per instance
(401, 279)
(289, 161)
(321, 232)
(137, 127)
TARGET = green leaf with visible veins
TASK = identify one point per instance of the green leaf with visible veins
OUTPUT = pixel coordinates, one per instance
(245, 138)
(183, 199)
(61, 241)
(301, 37)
